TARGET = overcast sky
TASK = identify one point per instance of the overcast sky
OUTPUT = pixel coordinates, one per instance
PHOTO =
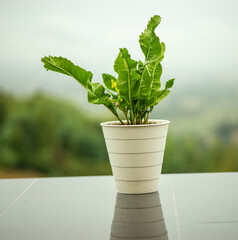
(201, 39)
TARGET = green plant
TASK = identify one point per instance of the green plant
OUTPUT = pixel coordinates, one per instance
(136, 90)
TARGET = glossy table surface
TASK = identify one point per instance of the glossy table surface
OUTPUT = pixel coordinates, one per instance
(187, 206)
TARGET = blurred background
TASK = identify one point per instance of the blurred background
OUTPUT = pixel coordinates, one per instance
(47, 127)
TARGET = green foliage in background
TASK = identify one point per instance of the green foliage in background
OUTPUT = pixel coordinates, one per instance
(136, 90)
(55, 138)
(192, 153)
(51, 136)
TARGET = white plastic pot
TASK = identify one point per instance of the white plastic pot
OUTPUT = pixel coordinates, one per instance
(136, 154)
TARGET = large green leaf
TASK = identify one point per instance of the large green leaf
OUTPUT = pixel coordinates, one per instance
(65, 66)
(155, 70)
(144, 83)
(128, 77)
(159, 97)
(150, 43)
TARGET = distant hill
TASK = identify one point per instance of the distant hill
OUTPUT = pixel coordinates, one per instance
(196, 107)
(200, 107)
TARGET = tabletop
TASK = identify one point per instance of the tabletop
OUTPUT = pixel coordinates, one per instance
(186, 206)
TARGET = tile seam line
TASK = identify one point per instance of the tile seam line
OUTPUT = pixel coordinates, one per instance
(26, 189)
(176, 213)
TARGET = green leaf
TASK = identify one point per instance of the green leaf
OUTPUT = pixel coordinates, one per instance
(128, 78)
(97, 95)
(169, 83)
(154, 22)
(154, 54)
(65, 66)
(144, 83)
(150, 43)
(159, 97)
(155, 70)
(110, 82)
(140, 65)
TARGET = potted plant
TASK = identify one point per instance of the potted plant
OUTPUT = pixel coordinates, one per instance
(135, 145)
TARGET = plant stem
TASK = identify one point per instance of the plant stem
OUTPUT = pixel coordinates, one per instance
(125, 113)
(129, 91)
(131, 111)
(116, 115)
(147, 118)
(120, 120)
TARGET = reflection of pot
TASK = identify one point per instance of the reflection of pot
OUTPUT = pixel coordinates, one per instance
(138, 217)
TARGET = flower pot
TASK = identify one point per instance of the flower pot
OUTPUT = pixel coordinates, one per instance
(136, 154)
(138, 217)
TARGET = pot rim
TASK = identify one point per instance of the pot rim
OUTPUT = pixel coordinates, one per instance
(154, 122)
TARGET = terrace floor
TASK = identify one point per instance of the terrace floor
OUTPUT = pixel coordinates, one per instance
(187, 206)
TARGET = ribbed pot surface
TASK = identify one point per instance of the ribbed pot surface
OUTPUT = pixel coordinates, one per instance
(136, 154)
